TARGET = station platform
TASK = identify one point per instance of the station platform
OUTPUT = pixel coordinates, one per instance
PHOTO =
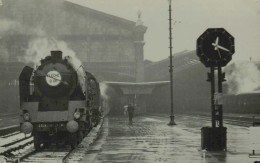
(150, 140)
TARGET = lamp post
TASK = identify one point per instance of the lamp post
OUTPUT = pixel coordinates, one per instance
(171, 66)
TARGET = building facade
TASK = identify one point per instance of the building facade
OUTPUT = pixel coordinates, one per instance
(109, 46)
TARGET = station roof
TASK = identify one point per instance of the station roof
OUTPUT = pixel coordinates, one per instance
(137, 84)
(129, 88)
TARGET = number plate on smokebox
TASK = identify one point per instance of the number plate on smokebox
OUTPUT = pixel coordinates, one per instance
(44, 125)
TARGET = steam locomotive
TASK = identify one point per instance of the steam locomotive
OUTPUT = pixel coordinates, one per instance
(57, 103)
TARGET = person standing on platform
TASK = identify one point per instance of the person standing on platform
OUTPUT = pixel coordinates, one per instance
(130, 111)
(125, 109)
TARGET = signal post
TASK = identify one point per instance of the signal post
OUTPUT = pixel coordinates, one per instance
(215, 48)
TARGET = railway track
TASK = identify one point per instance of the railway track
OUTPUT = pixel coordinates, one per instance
(6, 131)
(17, 147)
(46, 154)
(237, 121)
(11, 134)
(23, 151)
(12, 143)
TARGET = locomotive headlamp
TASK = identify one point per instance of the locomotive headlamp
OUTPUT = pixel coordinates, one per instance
(72, 126)
(76, 115)
(26, 127)
(26, 116)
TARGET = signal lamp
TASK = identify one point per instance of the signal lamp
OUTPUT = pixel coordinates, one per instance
(26, 116)
(76, 115)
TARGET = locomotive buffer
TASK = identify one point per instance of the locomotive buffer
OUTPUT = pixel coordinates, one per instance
(215, 48)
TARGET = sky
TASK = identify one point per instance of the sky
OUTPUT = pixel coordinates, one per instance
(241, 18)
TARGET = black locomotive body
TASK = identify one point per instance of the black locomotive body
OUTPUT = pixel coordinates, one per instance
(57, 103)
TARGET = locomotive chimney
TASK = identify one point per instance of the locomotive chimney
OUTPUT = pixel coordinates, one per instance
(56, 55)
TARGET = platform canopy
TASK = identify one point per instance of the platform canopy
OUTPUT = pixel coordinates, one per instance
(129, 88)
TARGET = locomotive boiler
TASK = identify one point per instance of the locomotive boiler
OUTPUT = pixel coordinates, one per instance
(57, 103)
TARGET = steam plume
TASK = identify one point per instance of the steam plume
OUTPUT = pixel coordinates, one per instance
(242, 77)
(105, 97)
(7, 24)
(39, 48)
(7, 27)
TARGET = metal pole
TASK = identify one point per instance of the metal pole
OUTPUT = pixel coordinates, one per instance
(220, 91)
(171, 66)
(212, 70)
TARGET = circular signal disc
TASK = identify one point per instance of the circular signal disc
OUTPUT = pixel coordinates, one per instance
(53, 78)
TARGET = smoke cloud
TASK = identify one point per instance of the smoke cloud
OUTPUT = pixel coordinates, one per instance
(242, 77)
(104, 95)
(4, 54)
(7, 25)
(12, 27)
(40, 47)
(7, 28)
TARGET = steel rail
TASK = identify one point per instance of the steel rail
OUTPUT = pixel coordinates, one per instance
(11, 134)
(10, 129)
(14, 142)
(10, 150)
(232, 121)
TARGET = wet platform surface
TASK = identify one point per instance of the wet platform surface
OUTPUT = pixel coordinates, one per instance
(149, 140)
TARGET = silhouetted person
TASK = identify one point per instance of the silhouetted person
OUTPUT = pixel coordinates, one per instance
(130, 111)
(125, 110)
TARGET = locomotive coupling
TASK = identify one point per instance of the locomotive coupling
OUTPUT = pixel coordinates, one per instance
(26, 127)
(72, 126)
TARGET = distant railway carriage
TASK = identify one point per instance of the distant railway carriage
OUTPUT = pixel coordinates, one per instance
(242, 103)
(57, 103)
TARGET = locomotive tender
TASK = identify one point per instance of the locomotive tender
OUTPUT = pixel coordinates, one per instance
(56, 103)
